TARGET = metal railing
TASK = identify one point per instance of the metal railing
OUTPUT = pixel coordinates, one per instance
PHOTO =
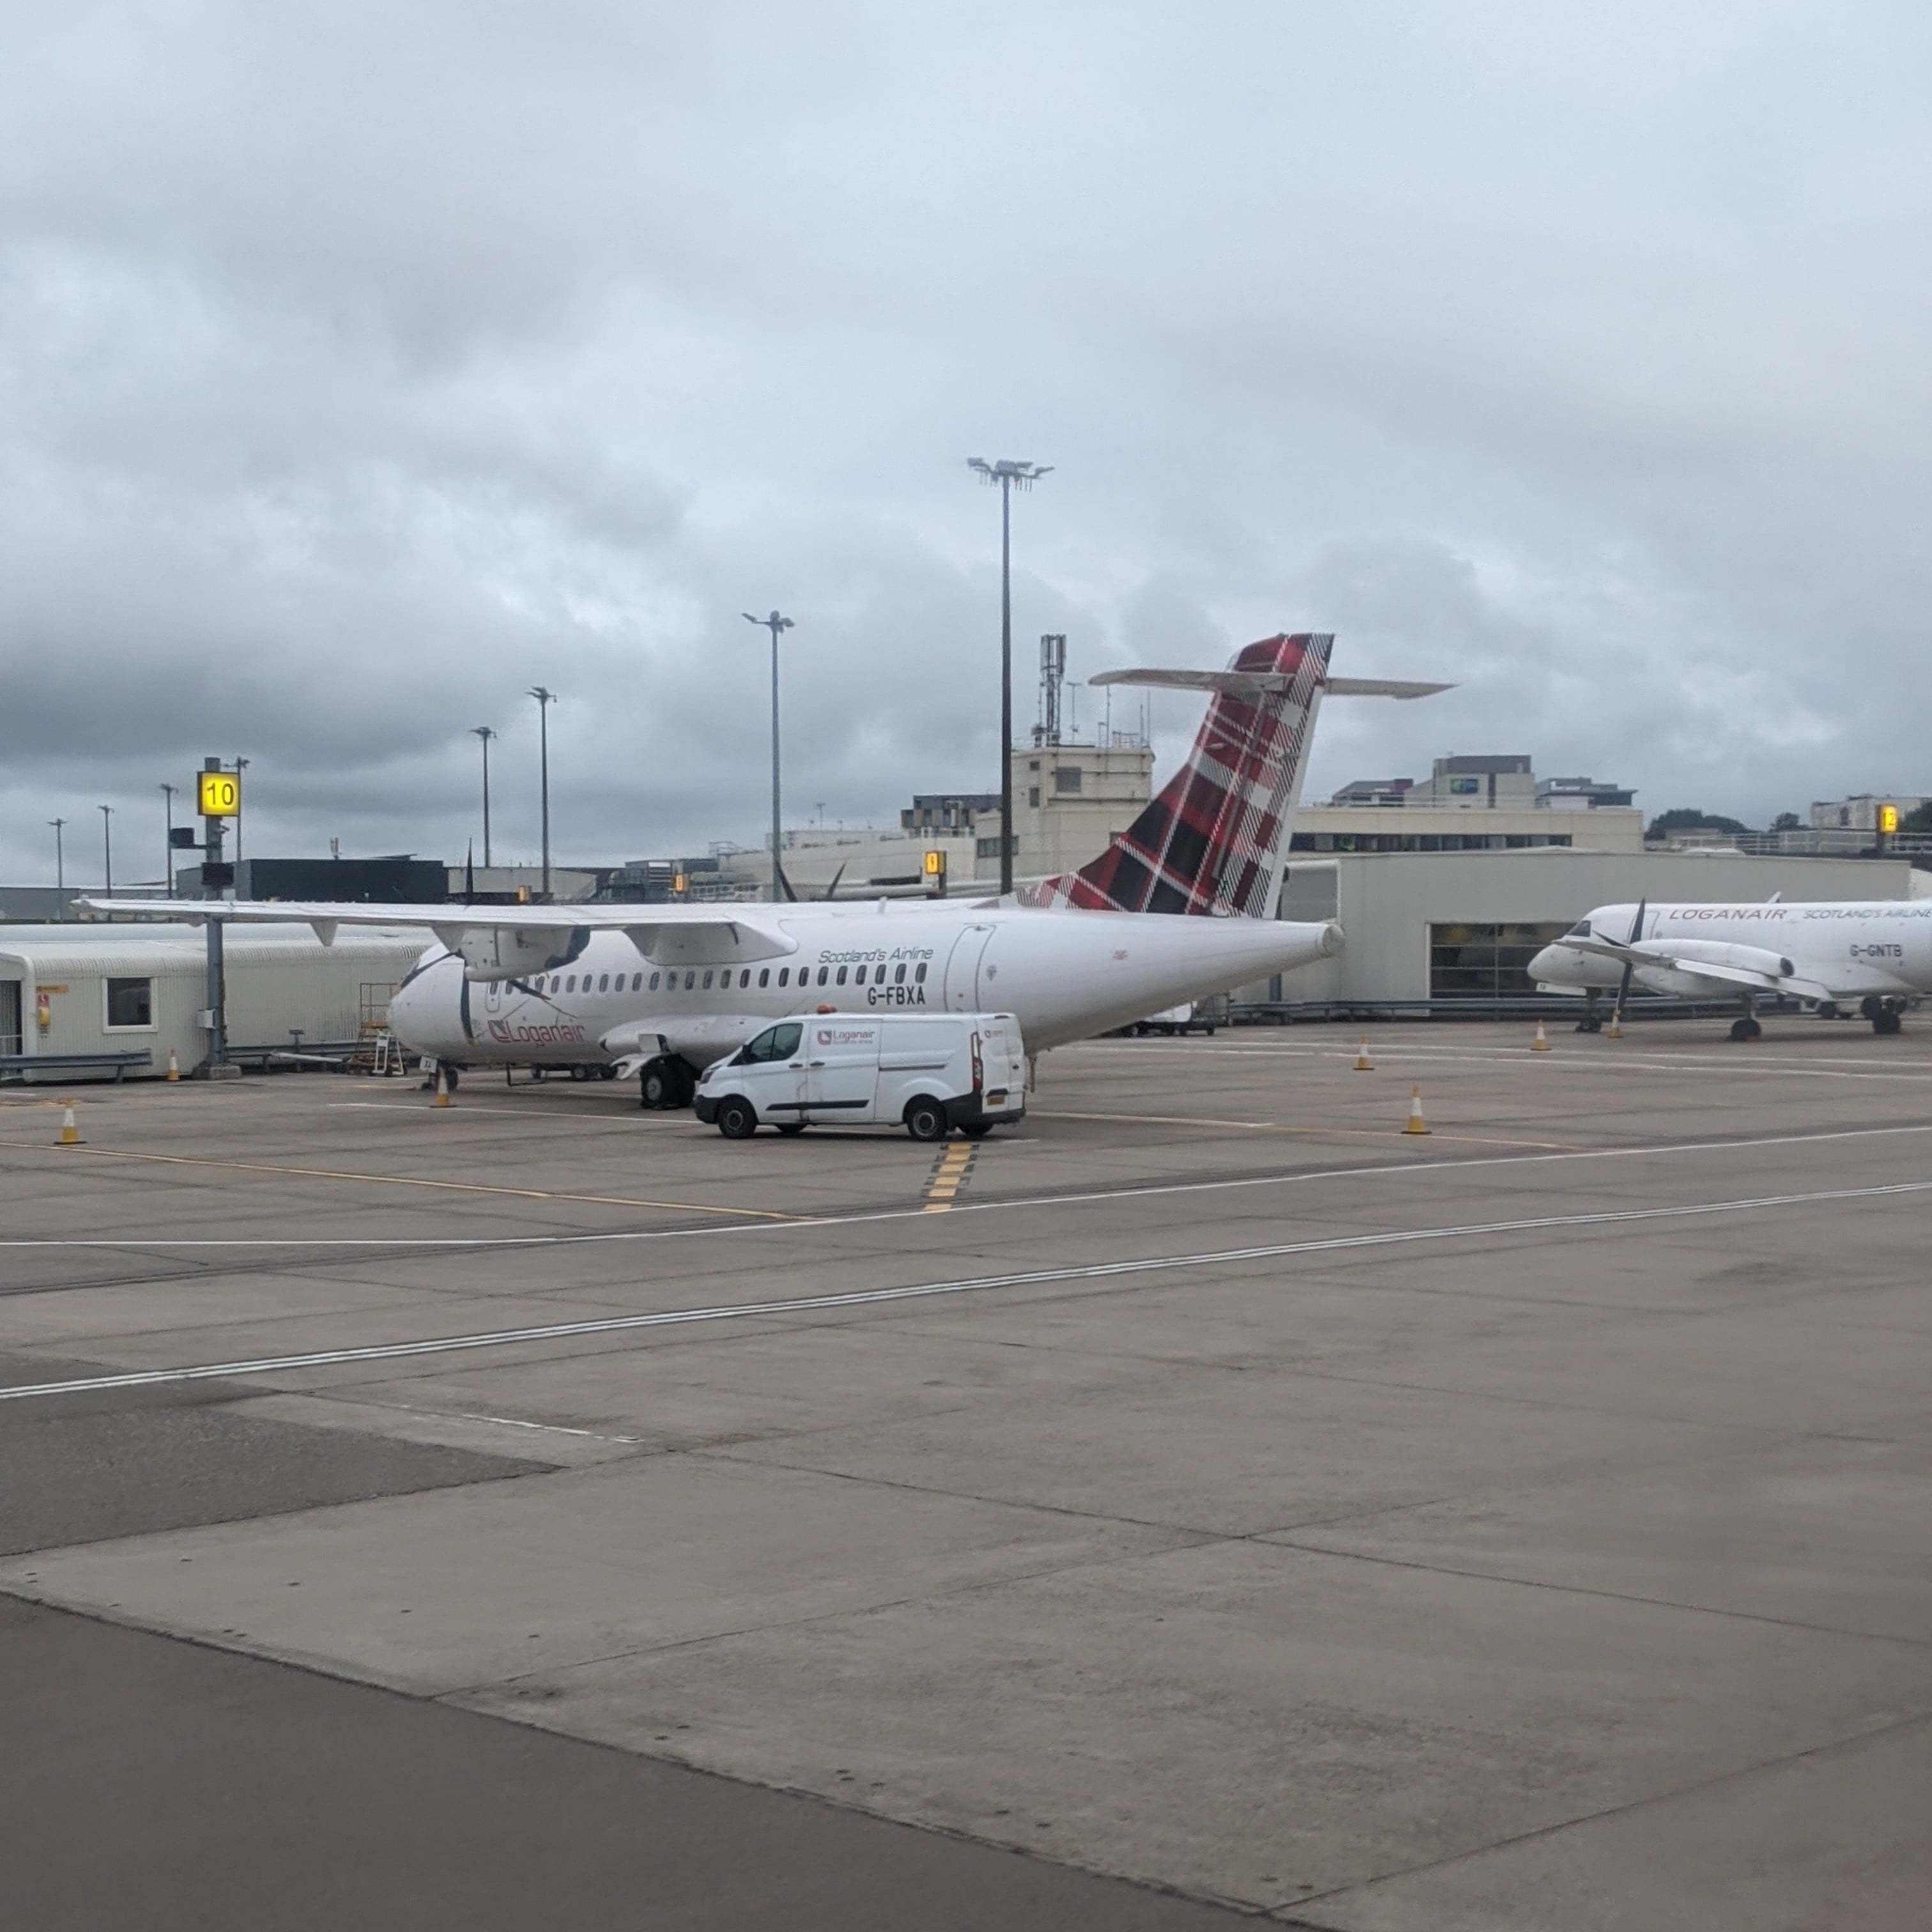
(22, 1064)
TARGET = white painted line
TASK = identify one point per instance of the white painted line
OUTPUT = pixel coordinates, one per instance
(1570, 1060)
(1420, 1169)
(616, 1324)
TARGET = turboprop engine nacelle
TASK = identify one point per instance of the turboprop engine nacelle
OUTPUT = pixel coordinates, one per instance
(1692, 953)
(512, 952)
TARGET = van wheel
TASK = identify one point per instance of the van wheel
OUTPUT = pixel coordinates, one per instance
(791, 1126)
(736, 1120)
(925, 1120)
(976, 1130)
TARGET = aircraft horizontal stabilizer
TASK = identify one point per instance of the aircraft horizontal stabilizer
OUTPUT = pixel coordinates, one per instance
(1253, 683)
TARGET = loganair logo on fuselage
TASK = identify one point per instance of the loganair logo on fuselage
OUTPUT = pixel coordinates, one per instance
(557, 1034)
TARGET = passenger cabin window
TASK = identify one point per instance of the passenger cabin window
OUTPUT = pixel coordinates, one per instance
(570, 985)
(842, 976)
(784, 976)
(637, 982)
(919, 977)
(707, 979)
(690, 978)
(655, 978)
(764, 976)
(823, 972)
(130, 1002)
(898, 974)
(603, 982)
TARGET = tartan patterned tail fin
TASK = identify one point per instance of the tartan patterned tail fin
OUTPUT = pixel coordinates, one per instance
(1212, 841)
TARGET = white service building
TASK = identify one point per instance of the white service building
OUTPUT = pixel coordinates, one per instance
(114, 988)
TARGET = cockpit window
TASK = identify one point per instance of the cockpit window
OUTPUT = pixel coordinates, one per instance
(1581, 930)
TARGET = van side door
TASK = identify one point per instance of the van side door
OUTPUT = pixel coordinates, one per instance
(771, 1066)
(841, 1067)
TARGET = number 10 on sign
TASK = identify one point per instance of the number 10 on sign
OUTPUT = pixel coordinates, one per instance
(220, 795)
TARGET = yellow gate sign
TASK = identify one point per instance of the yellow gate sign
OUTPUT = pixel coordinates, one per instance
(220, 795)
(1888, 818)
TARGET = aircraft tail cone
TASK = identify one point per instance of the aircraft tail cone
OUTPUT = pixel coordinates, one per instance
(1417, 1124)
(442, 1088)
(1363, 1064)
(70, 1134)
(174, 1065)
(1541, 1044)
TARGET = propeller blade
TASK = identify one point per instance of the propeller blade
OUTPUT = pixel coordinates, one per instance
(1630, 965)
(785, 883)
(832, 890)
(470, 874)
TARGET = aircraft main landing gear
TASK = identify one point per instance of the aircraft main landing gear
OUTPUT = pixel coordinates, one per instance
(1746, 1028)
(1887, 1016)
(666, 1083)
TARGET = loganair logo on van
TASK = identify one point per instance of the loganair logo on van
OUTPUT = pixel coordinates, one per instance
(832, 1035)
(553, 1034)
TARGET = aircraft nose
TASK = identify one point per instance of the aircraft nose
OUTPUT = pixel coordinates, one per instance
(1548, 965)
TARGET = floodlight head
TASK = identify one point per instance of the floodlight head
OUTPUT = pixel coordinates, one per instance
(485, 732)
(1008, 472)
(542, 696)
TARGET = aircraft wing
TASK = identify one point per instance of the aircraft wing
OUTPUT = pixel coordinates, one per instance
(1652, 955)
(670, 934)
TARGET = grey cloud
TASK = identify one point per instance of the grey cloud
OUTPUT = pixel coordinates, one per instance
(358, 369)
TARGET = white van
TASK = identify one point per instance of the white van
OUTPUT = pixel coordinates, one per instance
(930, 1072)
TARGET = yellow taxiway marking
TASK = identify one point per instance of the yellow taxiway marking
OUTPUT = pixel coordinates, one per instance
(949, 1176)
(1319, 1133)
(408, 1180)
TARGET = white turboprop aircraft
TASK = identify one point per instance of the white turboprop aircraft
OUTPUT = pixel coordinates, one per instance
(1872, 955)
(1176, 908)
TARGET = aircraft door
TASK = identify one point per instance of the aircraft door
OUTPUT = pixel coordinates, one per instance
(962, 970)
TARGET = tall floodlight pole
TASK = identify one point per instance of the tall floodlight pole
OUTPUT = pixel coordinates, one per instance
(168, 851)
(60, 856)
(775, 625)
(1006, 475)
(545, 699)
(484, 732)
(107, 845)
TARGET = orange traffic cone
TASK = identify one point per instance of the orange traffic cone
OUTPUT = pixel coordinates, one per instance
(1363, 1064)
(442, 1087)
(1614, 1031)
(1541, 1044)
(70, 1134)
(174, 1066)
(1417, 1124)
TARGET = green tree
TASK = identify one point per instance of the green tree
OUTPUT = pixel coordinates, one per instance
(1787, 821)
(1686, 818)
(1918, 822)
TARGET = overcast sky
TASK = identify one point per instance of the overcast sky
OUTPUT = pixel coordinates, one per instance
(361, 365)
